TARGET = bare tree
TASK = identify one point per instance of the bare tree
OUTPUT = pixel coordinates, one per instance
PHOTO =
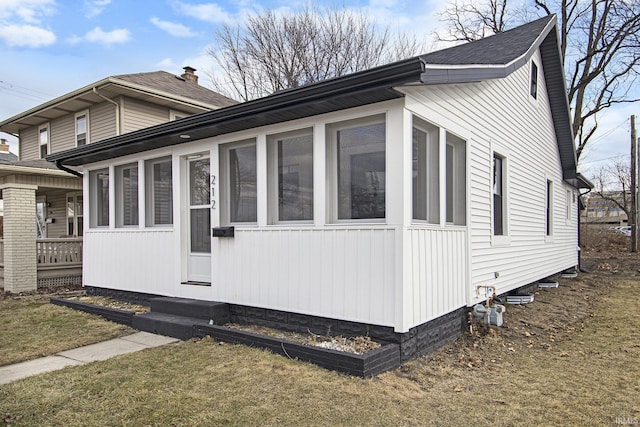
(599, 41)
(613, 184)
(273, 51)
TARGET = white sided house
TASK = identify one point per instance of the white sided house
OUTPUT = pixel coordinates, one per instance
(386, 198)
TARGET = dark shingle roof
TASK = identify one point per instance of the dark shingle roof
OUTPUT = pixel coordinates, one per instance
(7, 158)
(501, 48)
(176, 85)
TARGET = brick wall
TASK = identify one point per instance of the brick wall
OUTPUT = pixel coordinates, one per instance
(20, 264)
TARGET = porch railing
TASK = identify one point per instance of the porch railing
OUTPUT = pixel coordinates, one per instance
(59, 252)
(51, 253)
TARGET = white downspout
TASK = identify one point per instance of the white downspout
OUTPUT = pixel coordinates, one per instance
(95, 90)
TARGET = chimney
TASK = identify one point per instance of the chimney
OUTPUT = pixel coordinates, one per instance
(4, 147)
(190, 75)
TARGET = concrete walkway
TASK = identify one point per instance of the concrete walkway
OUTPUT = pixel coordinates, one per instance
(82, 355)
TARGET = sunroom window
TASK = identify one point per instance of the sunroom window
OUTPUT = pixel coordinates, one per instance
(126, 195)
(456, 180)
(239, 190)
(426, 171)
(357, 157)
(99, 192)
(291, 176)
(159, 192)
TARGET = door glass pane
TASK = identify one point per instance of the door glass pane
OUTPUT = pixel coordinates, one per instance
(199, 183)
(200, 225)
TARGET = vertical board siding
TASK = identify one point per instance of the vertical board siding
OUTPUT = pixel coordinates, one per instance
(138, 261)
(102, 119)
(439, 264)
(138, 114)
(501, 115)
(340, 273)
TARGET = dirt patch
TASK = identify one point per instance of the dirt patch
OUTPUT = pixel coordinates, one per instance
(356, 345)
(111, 303)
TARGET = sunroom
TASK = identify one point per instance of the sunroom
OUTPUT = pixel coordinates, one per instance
(315, 216)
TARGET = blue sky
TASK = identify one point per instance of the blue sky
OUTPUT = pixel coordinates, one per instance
(51, 47)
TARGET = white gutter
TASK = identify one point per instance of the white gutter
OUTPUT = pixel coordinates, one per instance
(118, 131)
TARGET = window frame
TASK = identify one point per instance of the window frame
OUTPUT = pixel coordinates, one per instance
(119, 195)
(503, 237)
(150, 193)
(273, 175)
(431, 182)
(46, 127)
(458, 198)
(78, 115)
(549, 206)
(534, 80)
(331, 134)
(225, 181)
(96, 202)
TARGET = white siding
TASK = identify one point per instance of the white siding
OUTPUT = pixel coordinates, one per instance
(339, 273)
(438, 264)
(138, 114)
(130, 260)
(502, 114)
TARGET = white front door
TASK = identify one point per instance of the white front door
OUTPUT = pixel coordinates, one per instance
(199, 220)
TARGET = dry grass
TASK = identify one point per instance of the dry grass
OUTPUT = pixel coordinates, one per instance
(570, 358)
(31, 328)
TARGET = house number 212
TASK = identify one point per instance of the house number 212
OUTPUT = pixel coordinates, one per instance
(213, 191)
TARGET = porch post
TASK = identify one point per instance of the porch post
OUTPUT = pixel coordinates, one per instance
(20, 262)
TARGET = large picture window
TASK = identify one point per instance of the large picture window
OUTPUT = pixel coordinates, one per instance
(358, 156)
(425, 171)
(99, 191)
(159, 192)
(291, 176)
(456, 180)
(238, 166)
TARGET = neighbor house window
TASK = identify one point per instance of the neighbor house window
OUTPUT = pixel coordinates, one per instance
(43, 139)
(126, 195)
(499, 201)
(74, 214)
(357, 158)
(549, 208)
(82, 128)
(99, 191)
(534, 80)
(159, 192)
(239, 192)
(291, 176)
(425, 161)
(455, 180)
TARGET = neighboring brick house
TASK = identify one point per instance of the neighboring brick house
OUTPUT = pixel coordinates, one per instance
(44, 201)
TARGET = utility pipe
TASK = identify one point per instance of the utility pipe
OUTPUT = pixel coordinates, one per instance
(95, 90)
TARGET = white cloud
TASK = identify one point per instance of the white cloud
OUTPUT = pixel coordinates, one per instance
(166, 64)
(209, 12)
(26, 36)
(95, 7)
(176, 30)
(27, 11)
(98, 35)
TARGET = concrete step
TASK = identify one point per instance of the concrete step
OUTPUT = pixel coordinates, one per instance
(171, 325)
(205, 310)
